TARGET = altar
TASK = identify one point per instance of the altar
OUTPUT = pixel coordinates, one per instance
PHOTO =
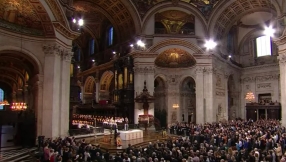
(131, 134)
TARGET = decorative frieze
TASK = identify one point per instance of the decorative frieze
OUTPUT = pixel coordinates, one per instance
(203, 69)
(267, 78)
(219, 93)
(282, 58)
(264, 86)
(144, 70)
(260, 78)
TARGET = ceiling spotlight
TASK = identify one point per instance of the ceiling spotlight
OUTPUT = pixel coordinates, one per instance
(74, 20)
(80, 22)
(210, 44)
(140, 43)
(269, 31)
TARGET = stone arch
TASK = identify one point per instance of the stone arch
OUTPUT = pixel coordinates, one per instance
(180, 42)
(187, 111)
(105, 80)
(89, 84)
(160, 107)
(26, 53)
(220, 24)
(179, 6)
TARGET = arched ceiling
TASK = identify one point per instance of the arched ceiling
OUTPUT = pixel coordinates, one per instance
(175, 58)
(96, 11)
(204, 6)
(25, 16)
(16, 69)
(237, 10)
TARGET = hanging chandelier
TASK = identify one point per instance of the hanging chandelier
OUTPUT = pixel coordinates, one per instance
(4, 103)
(249, 96)
(175, 106)
(18, 106)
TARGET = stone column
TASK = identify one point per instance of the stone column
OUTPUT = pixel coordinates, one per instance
(51, 112)
(209, 96)
(200, 108)
(38, 104)
(65, 92)
(97, 91)
(282, 67)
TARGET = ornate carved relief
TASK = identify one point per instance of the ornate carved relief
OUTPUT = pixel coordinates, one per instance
(219, 93)
(218, 81)
(282, 58)
(264, 86)
(144, 70)
(266, 78)
(173, 79)
(57, 50)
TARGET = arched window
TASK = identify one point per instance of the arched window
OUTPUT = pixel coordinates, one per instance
(263, 46)
(91, 46)
(1, 98)
(110, 36)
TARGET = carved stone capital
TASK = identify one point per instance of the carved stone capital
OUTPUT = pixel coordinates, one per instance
(200, 69)
(67, 55)
(282, 58)
(210, 70)
(52, 49)
(144, 70)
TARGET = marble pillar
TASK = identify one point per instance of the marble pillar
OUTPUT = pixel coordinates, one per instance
(282, 67)
(200, 100)
(65, 92)
(209, 91)
(55, 111)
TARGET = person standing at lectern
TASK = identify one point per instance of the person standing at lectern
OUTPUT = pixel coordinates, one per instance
(126, 126)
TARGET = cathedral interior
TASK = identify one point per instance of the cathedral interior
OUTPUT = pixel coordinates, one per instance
(164, 61)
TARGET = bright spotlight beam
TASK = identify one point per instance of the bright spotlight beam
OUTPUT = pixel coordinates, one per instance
(269, 31)
(210, 44)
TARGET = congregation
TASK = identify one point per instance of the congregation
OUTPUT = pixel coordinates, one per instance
(233, 141)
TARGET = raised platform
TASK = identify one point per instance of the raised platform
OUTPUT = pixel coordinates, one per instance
(131, 134)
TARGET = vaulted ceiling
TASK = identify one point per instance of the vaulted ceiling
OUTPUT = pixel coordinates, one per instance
(16, 69)
(25, 16)
(95, 12)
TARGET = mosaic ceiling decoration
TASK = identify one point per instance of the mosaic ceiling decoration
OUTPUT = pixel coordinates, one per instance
(204, 6)
(175, 58)
(25, 16)
(114, 11)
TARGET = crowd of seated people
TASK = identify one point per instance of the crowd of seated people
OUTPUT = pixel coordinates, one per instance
(233, 141)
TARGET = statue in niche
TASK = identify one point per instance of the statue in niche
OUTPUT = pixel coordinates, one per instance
(218, 81)
(220, 113)
(174, 116)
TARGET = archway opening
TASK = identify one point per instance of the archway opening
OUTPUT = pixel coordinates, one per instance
(160, 107)
(19, 81)
(188, 100)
